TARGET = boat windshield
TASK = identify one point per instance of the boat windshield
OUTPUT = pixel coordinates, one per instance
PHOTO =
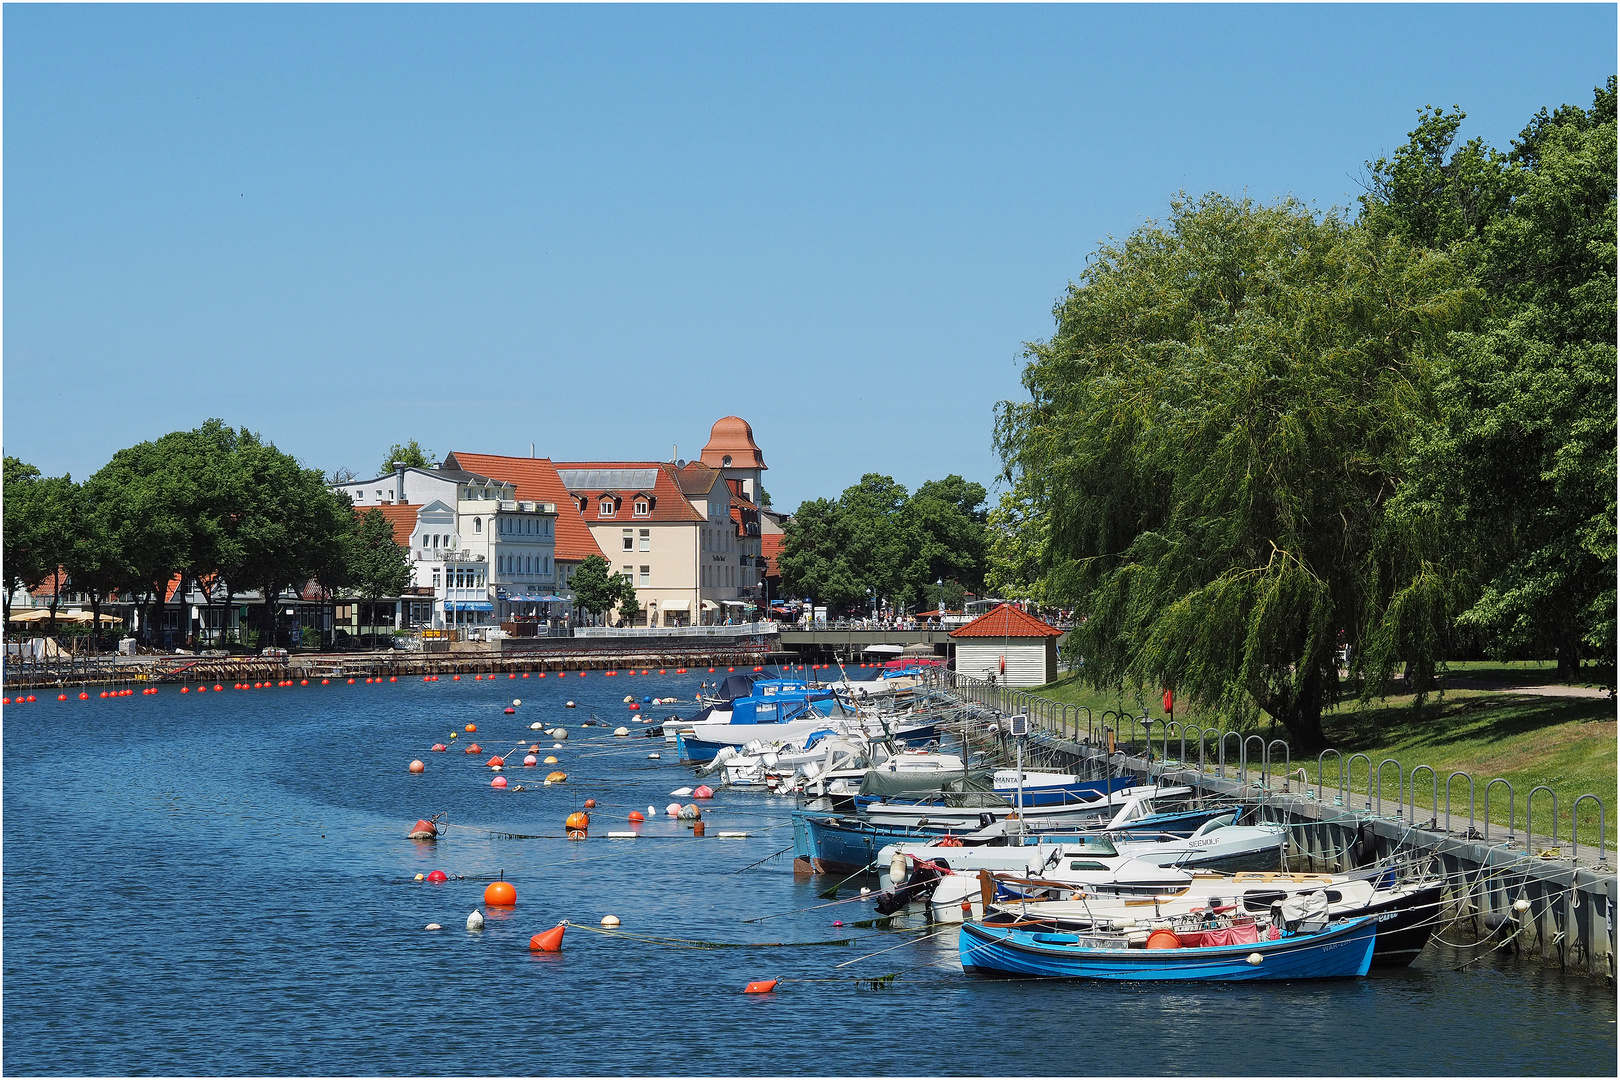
(1091, 845)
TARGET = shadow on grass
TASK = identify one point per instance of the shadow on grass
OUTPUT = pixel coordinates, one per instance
(1457, 719)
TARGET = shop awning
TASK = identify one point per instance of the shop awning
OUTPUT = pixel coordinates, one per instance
(468, 605)
(675, 605)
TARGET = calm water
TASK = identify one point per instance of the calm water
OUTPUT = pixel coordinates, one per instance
(219, 884)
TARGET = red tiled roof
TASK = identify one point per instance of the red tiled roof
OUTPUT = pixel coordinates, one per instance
(536, 479)
(669, 503)
(1006, 621)
(402, 516)
(770, 546)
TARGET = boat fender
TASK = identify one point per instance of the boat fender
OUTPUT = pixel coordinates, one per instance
(897, 867)
(1256, 958)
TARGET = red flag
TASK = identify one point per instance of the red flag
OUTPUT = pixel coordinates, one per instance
(1169, 702)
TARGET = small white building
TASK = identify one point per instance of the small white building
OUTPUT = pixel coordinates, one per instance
(1006, 642)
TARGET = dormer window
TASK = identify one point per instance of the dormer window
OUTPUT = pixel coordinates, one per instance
(642, 508)
(605, 508)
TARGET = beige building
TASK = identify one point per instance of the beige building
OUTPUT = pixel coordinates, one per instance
(686, 534)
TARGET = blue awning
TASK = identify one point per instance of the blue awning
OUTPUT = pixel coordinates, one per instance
(468, 605)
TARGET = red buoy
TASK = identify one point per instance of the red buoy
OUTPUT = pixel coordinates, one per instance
(549, 941)
(636, 815)
(423, 830)
(437, 876)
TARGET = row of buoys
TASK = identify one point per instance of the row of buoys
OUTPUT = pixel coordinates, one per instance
(378, 679)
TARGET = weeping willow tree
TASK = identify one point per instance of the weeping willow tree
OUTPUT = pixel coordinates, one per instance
(1211, 438)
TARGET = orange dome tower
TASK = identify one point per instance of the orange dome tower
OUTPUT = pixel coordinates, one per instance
(732, 451)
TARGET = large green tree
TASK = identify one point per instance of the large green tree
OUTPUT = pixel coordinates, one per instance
(1518, 476)
(878, 539)
(598, 589)
(1211, 436)
(378, 565)
(24, 567)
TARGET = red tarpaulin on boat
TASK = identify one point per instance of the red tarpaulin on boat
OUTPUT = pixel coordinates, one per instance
(913, 661)
(1247, 934)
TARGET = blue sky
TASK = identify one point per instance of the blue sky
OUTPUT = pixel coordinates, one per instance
(598, 229)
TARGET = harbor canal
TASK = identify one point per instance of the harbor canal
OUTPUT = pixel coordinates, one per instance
(221, 884)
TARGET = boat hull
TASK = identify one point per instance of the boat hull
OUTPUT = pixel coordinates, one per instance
(1341, 951)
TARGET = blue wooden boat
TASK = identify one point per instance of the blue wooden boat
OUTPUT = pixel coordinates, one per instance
(1340, 950)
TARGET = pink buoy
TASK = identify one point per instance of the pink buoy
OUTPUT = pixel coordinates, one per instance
(498, 782)
(704, 791)
(673, 809)
(530, 761)
(418, 766)
(510, 710)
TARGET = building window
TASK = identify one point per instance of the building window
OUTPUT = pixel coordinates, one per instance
(646, 576)
(641, 508)
(604, 508)
(646, 539)
(629, 540)
(478, 525)
(628, 573)
(548, 566)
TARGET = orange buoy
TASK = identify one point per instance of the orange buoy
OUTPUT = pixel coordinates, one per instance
(500, 893)
(472, 727)
(697, 830)
(495, 761)
(455, 678)
(418, 766)
(635, 815)
(764, 986)
(1163, 939)
(578, 820)
(590, 804)
(549, 941)
(423, 830)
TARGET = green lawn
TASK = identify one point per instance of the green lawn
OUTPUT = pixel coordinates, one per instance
(1567, 744)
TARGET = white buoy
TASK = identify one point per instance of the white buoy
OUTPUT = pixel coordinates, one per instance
(865, 891)
(652, 811)
(628, 698)
(654, 756)
(433, 926)
(1256, 958)
(682, 791)
(1521, 905)
(556, 746)
(536, 726)
(418, 877)
(516, 702)
(622, 835)
(621, 731)
(569, 705)
(559, 733)
(475, 921)
(610, 920)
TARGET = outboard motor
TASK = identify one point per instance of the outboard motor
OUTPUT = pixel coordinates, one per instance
(919, 886)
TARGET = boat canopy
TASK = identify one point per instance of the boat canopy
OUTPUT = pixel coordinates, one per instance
(926, 785)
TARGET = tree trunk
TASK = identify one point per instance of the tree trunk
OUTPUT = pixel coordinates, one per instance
(1569, 654)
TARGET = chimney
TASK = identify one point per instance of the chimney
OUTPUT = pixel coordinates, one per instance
(399, 481)
(531, 449)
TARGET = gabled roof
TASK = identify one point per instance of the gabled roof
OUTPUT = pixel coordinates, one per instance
(593, 479)
(536, 479)
(732, 437)
(696, 478)
(1006, 621)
